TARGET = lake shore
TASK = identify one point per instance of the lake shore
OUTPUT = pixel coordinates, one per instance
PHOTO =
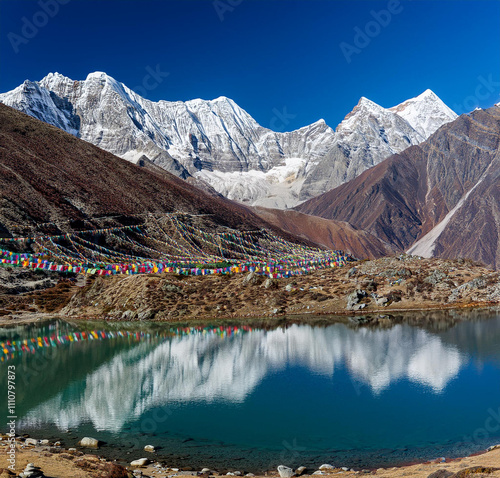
(373, 289)
(58, 462)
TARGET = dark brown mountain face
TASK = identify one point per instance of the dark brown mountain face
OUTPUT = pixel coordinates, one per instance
(49, 176)
(446, 188)
(336, 235)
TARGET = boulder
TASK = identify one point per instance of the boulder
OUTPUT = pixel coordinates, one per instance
(326, 467)
(140, 462)
(89, 442)
(436, 277)
(31, 471)
(149, 448)
(300, 470)
(353, 299)
(270, 283)
(31, 441)
(285, 471)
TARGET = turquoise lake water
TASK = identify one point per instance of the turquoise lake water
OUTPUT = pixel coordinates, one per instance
(250, 399)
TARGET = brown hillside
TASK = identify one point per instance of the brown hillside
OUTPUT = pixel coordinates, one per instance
(336, 235)
(403, 198)
(49, 176)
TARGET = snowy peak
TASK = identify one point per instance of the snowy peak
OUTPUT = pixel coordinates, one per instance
(425, 113)
(360, 112)
(219, 142)
(40, 103)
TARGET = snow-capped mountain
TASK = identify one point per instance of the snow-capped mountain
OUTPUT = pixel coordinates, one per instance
(365, 137)
(426, 113)
(220, 143)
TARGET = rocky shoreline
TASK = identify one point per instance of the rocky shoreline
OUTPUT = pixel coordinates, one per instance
(44, 458)
(374, 289)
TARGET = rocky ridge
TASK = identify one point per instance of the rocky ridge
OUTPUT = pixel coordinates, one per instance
(437, 199)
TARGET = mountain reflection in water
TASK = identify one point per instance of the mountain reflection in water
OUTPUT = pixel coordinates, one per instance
(208, 367)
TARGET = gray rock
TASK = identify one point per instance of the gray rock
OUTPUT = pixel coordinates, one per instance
(477, 283)
(140, 462)
(353, 298)
(146, 314)
(172, 288)
(31, 471)
(44, 442)
(89, 442)
(270, 283)
(31, 441)
(250, 278)
(326, 467)
(149, 448)
(382, 301)
(129, 315)
(436, 277)
(285, 471)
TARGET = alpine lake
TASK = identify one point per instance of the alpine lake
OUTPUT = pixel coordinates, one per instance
(250, 397)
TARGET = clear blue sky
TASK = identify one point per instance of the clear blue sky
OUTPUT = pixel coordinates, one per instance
(269, 56)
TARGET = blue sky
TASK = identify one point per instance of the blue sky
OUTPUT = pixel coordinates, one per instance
(288, 63)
